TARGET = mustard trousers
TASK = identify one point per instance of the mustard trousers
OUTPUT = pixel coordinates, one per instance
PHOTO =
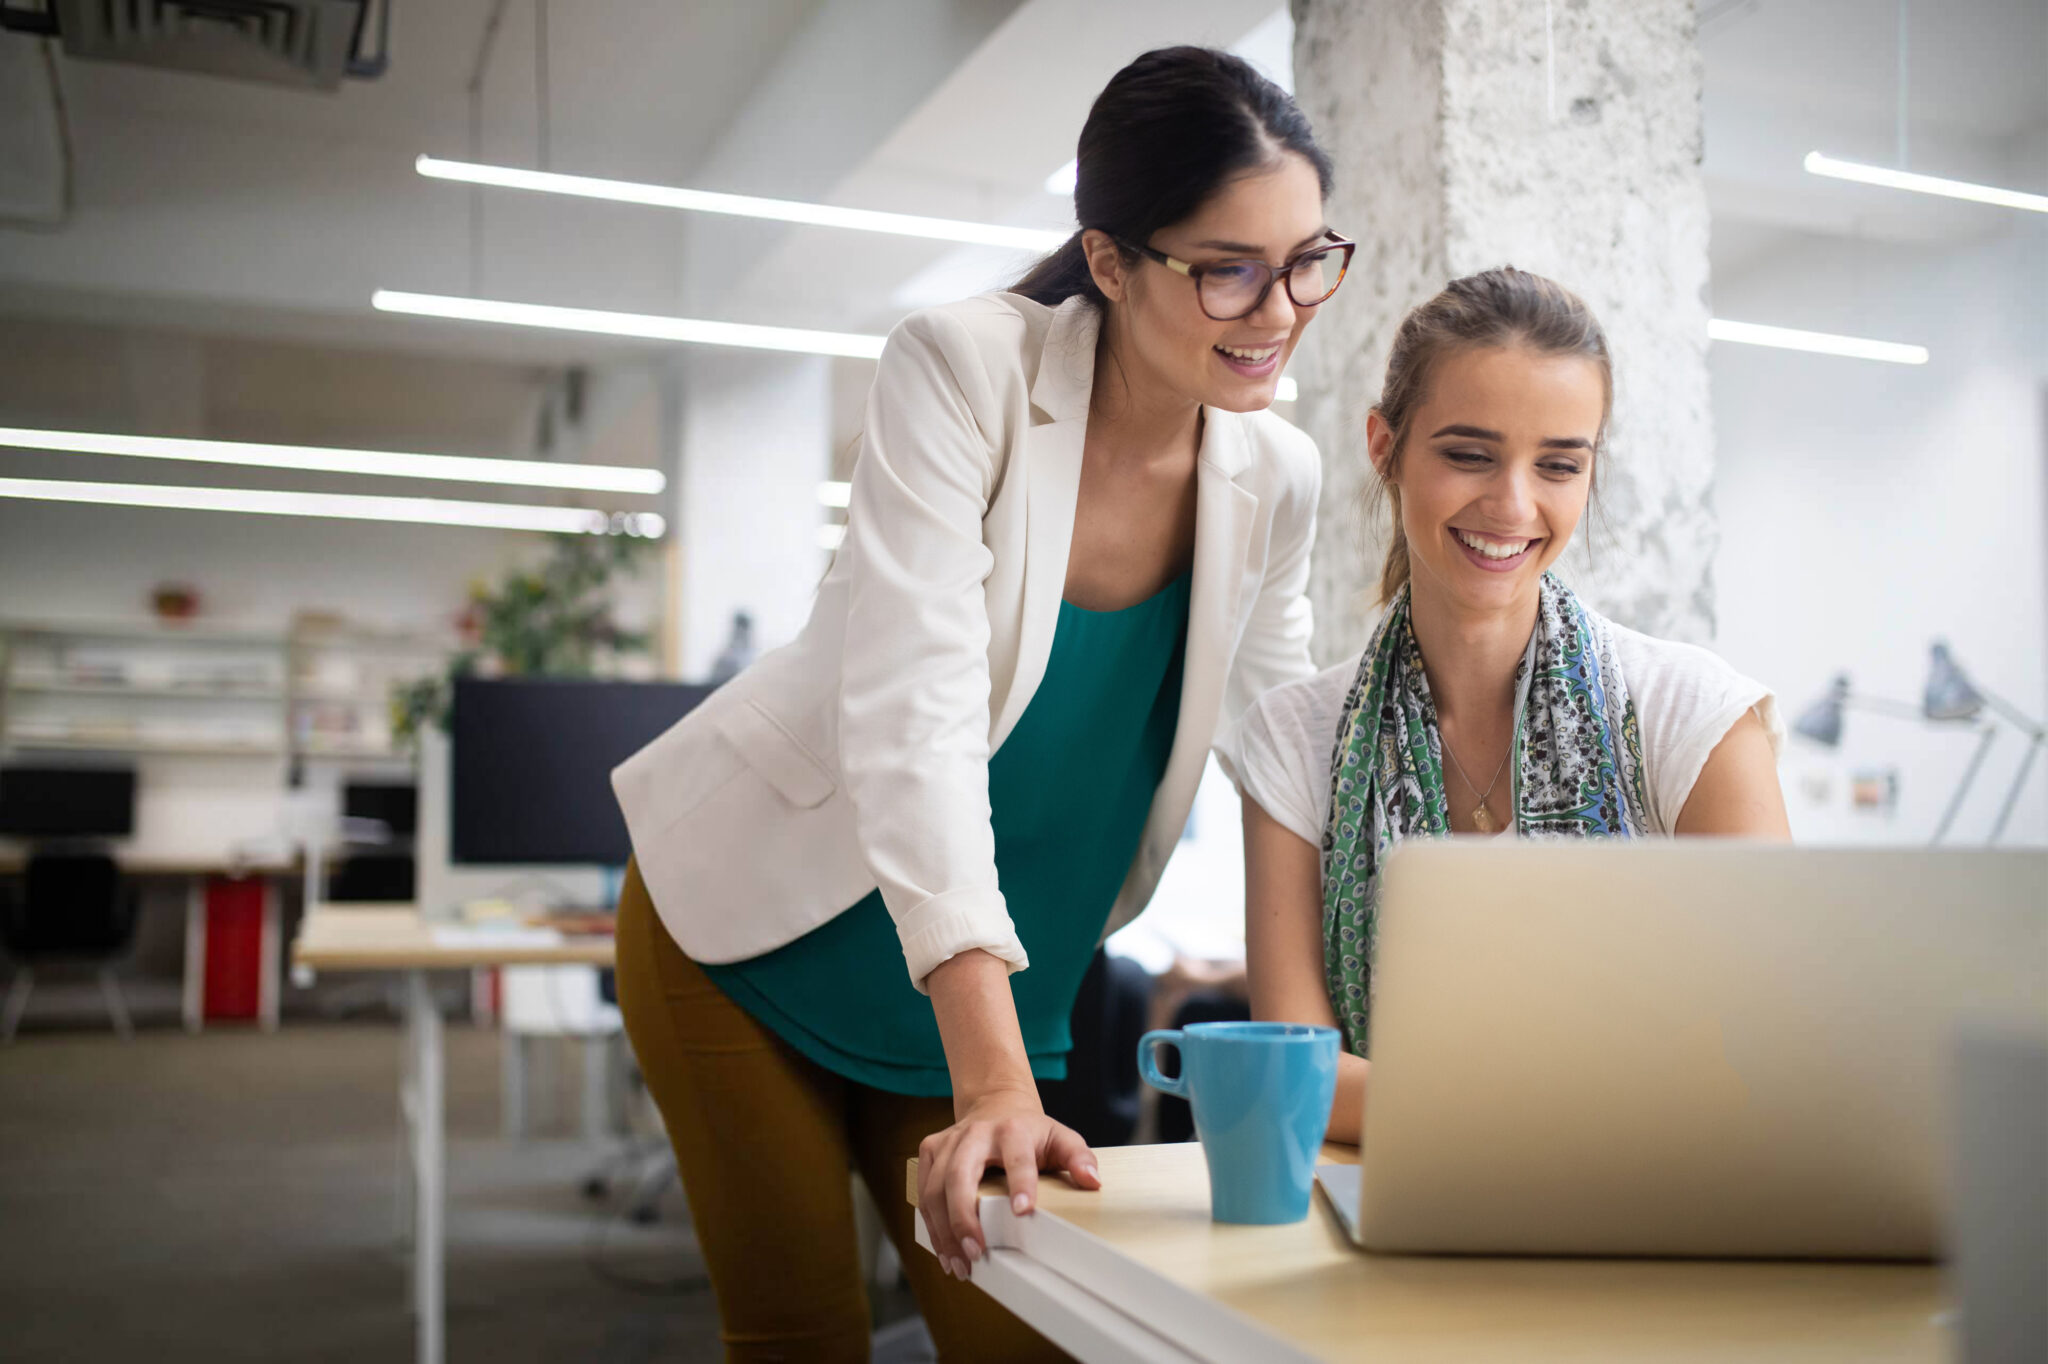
(764, 1139)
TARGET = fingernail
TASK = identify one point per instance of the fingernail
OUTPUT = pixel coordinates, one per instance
(1020, 1204)
(952, 1266)
(1089, 1170)
(973, 1249)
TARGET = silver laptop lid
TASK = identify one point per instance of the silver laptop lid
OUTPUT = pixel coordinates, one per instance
(1682, 1048)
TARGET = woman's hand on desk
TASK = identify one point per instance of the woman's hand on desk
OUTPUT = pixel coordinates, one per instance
(997, 1119)
(1006, 1129)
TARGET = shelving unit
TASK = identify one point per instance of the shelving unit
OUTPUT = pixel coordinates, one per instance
(340, 681)
(319, 690)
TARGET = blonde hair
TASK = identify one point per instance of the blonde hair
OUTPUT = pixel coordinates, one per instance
(1500, 307)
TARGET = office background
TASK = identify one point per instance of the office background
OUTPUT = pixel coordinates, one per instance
(185, 255)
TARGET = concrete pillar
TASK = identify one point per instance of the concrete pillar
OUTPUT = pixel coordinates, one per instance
(754, 432)
(1561, 136)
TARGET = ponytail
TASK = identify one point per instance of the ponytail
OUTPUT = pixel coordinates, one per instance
(1060, 277)
(1394, 571)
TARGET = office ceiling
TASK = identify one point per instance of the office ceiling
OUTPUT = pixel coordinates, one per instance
(256, 211)
(1976, 68)
(1785, 77)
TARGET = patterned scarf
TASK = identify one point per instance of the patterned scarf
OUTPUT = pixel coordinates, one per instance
(1577, 759)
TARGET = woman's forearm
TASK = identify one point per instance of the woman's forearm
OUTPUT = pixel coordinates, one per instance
(977, 1019)
(1347, 1110)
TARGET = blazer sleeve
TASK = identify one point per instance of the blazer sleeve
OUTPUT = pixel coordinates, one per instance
(1274, 646)
(914, 688)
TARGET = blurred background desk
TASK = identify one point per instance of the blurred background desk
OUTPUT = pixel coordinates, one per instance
(395, 938)
(198, 875)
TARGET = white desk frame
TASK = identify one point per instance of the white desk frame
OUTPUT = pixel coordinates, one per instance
(392, 938)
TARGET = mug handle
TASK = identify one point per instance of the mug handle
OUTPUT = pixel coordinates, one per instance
(1148, 1061)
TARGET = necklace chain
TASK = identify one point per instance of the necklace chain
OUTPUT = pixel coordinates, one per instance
(1480, 817)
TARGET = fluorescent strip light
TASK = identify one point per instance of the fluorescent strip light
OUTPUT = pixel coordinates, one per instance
(831, 537)
(1063, 180)
(432, 511)
(648, 325)
(1818, 164)
(1823, 343)
(1286, 391)
(741, 205)
(835, 494)
(527, 473)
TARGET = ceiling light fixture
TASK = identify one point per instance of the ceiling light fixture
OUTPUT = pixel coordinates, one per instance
(1822, 343)
(835, 494)
(432, 511)
(648, 326)
(1818, 164)
(522, 473)
(740, 205)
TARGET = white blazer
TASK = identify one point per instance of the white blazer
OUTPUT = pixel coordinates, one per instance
(857, 755)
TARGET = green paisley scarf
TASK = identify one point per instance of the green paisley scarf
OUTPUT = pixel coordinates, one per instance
(1578, 768)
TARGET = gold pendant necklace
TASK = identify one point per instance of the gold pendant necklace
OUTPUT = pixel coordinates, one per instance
(1482, 819)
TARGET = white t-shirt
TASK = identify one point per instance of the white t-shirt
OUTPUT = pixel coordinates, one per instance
(1686, 701)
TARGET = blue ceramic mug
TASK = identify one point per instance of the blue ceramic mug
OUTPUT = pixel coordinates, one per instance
(1261, 1094)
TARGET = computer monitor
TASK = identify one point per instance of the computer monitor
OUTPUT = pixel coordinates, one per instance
(395, 805)
(531, 762)
(67, 802)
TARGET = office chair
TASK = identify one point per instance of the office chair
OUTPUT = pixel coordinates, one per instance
(74, 908)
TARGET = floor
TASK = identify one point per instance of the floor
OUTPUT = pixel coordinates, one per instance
(231, 1197)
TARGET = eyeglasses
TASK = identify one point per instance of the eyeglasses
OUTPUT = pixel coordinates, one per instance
(1230, 289)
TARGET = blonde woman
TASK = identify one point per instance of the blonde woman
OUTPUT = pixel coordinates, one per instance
(1490, 700)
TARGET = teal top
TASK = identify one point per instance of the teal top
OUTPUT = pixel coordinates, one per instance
(1068, 791)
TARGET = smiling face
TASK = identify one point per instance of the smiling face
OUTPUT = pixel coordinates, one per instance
(1494, 472)
(1172, 351)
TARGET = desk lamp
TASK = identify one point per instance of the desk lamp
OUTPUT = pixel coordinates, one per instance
(1952, 694)
(1950, 698)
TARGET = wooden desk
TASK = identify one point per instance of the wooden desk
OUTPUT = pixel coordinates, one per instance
(194, 873)
(1139, 1272)
(369, 936)
(393, 937)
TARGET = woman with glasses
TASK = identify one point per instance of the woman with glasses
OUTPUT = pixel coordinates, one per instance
(871, 870)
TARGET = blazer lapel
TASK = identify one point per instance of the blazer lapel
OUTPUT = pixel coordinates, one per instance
(1052, 471)
(1224, 516)
(1052, 489)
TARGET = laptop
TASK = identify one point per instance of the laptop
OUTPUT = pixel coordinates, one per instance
(1688, 1048)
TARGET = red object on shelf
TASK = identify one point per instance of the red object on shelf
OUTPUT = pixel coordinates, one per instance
(234, 947)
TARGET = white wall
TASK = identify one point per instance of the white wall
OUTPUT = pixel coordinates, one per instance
(1868, 508)
(756, 435)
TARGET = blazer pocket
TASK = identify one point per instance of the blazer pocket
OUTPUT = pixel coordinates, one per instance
(782, 759)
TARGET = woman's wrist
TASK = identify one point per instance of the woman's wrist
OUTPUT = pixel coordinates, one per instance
(977, 1020)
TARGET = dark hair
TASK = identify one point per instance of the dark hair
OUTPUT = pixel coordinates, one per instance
(1165, 133)
(1500, 307)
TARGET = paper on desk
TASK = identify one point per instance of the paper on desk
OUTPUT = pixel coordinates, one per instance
(494, 935)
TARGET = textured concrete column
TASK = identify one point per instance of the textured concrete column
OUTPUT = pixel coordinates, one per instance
(1465, 137)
